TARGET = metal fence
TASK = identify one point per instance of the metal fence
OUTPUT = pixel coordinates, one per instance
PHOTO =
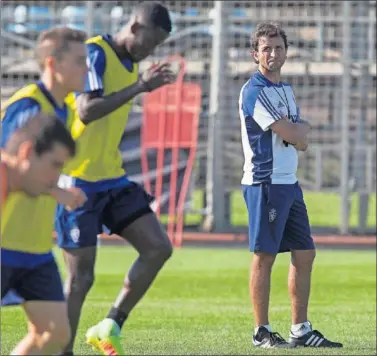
(331, 66)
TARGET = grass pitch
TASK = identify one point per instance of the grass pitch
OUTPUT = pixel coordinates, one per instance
(323, 209)
(199, 304)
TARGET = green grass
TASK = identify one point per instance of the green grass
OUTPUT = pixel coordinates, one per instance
(200, 304)
(323, 209)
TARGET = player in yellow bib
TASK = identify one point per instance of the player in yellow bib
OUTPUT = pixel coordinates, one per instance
(34, 157)
(27, 262)
(123, 206)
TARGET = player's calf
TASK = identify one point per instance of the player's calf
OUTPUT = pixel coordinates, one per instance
(79, 282)
(139, 279)
(51, 326)
(299, 282)
(55, 340)
(80, 279)
(49, 329)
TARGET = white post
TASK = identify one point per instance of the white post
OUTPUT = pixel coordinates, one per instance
(345, 113)
(320, 40)
(371, 35)
(89, 19)
(215, 192)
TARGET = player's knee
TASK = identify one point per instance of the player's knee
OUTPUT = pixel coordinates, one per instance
(165, 250)
(263, 260)
(61, 335)
(303, 258)
(160, 254)
(53, 336)
(163, 253)
(35, 338)
(81, 282)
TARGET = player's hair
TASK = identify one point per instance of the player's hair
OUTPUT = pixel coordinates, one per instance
(156, 13)
(44, 132)
(267, 29)
(55, 42)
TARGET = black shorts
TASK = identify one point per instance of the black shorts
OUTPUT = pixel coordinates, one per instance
(42, 282)
(115, 208)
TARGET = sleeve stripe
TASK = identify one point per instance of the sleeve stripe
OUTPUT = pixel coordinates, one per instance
(292, 92)
(16, 115)
(26, 115)
(240, 101)
(95, 82)
(268, 106)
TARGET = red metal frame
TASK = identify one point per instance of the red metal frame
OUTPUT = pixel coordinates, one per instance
(170, 121)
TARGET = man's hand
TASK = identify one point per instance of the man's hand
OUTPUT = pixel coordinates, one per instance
(302, 145)
(71, 198)
(157, 76)
(304, 122)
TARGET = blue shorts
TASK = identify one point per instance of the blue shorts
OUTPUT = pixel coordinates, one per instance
(115, 208)
(42, 282)
(278, 220)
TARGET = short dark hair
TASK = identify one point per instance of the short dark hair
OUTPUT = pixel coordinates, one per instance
(44, 131)
(156, 13)
(55, 41)
(267, 29)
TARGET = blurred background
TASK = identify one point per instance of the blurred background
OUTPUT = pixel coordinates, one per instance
(331, 66)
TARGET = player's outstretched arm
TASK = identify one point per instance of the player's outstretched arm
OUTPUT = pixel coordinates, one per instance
(92, 106)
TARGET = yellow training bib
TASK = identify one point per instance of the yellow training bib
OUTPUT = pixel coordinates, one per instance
(27, 223)
(98, 156)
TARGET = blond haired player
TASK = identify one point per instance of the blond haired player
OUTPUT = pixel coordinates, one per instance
(28, 264)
